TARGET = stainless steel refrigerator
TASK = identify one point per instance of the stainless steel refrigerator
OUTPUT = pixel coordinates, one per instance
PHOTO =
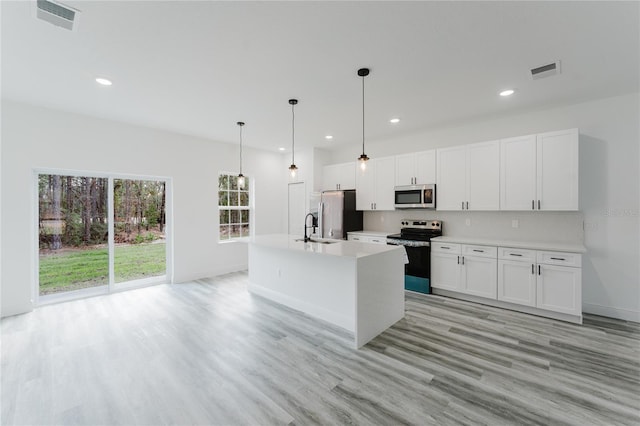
(337, 214)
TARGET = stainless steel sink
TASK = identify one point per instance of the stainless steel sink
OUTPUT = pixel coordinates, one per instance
(318, 241)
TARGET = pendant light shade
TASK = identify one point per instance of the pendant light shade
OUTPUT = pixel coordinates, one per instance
(363, 72)
(240, 175)
(293, 168)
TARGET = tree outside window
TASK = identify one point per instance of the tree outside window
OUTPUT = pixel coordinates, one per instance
(234, 207)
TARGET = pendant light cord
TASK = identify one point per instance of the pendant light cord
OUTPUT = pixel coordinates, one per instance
(240, 149)
(363, 115)
(293, 134)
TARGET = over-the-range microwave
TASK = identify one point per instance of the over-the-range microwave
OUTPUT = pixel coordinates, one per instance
(415, 196)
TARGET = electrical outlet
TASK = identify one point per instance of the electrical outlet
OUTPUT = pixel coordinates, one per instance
(515, 223)
(467, 222)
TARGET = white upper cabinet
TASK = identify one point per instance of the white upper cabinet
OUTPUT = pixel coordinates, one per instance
(452, 175)
(375, 185)
(518, 173)
(540, 172)
(416, 168)
(557, 167)
(339, 176)
(469, 177)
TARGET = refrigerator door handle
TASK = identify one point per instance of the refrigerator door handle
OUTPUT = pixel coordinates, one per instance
(320, 219)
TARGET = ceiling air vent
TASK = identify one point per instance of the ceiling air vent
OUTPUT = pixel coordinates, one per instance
(57, 14)
(545, 70)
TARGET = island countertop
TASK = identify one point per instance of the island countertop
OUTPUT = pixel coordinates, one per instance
(342, 248)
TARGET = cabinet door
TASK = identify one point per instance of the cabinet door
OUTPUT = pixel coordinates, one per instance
(426, 167)
(559, 289)
(445, 271)
(346, 175)
(385, 170)
(483, 176)
(329, 178)
(557, 167)
(518, 173)
(480, 276)
(405, 169)
(517, 282)
(451, 181)
(365, 187)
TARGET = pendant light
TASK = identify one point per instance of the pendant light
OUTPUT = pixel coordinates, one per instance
(363, 72)
(293, 168)
(240, 175)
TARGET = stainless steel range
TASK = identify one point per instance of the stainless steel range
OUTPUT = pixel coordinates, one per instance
(415, 236)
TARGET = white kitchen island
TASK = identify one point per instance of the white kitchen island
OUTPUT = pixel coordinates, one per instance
(356, 286)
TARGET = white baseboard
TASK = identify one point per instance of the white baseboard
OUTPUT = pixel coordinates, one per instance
(211, 273)
(611, 312)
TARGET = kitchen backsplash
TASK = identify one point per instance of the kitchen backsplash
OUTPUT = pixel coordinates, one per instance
(566, 227)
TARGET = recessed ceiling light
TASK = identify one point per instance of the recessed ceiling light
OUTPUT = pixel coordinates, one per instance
(394, 120)
(328, 137)
(507, 92)
(280, 149)
(103, 81)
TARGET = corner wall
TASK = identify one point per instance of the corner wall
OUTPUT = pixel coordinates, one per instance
(609, 194)
(35, 138)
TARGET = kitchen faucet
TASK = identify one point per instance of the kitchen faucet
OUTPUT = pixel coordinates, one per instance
(307, 239)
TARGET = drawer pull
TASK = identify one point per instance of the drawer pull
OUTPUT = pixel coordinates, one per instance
(532, 270)
(479, 251)
(515, 254)
(558, 258)
(445, 247)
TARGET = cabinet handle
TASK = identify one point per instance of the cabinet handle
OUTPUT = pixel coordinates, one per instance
(467, 205)
(375, 241)
(463, 260)
(446, 248)
(533, 205)
(558, 258)
(458, 260)
(478, 251)
(538, 204)
(462, 205)
(515, 254)
(538, 269)
(532, 270)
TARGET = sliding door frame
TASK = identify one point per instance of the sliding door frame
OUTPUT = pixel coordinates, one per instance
(111, 286)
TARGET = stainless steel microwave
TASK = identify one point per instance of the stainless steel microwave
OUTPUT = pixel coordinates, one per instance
(415, 196)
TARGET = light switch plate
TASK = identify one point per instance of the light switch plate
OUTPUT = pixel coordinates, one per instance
(515, 223)
(468, 222)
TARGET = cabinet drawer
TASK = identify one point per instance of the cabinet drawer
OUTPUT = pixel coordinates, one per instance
(524, 255)
(480, 251)
(559, 258)
(446, 248)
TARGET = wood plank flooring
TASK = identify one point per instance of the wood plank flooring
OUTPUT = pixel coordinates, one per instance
(208, 352)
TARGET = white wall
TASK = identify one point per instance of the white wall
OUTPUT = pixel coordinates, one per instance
(35, 137)
(609, 193)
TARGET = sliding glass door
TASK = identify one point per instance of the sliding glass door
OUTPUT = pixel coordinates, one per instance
(99, 233)
(139, 229)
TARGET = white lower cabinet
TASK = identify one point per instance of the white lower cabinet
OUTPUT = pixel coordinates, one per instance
(560, 289)
(546, 281)
(517, 276)
(467, 269)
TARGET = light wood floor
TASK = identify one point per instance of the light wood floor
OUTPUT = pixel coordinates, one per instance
(208, 352)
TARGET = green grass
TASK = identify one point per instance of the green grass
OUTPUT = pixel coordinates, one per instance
(78, 269)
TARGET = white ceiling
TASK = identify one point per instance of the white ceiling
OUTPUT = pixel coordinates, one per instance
(198, 67)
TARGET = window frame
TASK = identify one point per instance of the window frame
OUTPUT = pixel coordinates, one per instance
(231, 208)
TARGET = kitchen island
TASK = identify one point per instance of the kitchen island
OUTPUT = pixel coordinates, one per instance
(356, 286)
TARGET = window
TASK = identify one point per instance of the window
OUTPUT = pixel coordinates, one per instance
(234, 207)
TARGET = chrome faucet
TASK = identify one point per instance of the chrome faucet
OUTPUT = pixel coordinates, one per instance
(307, 239)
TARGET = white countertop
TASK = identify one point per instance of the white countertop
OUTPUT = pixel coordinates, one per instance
(342, 248)
(533, 245)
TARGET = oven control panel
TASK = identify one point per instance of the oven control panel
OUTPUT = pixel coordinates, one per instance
(421, 224)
